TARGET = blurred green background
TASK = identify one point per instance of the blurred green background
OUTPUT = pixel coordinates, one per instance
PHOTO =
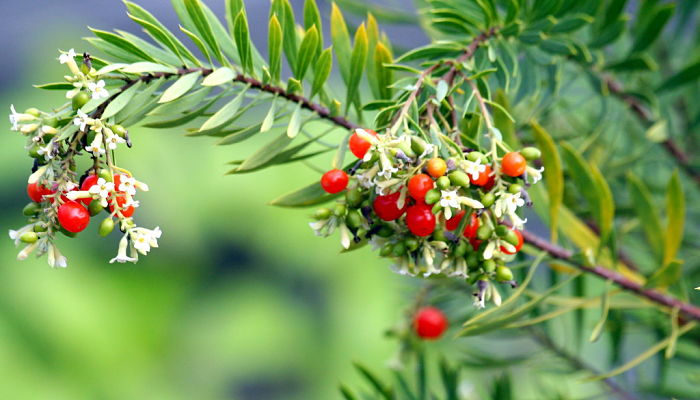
(240, 301)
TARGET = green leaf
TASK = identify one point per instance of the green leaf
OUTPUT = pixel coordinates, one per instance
(432, 51)
(285, 14)
(225, 114)
(162, 56)
(322, 70)
(667, 275)
(220, 76)
(274, 48)
(675, 219)
(384, 77)
(559, 46)
(653, 27)
(198, 42)
(142, 67)
(687, 75)
(294, 122)
(357, 63)
(201, 23)
(183, 104)
(56, 86)
(140, 105)
(180, 87)
(646, 213)
(610, 34)
(606, 203)
(306, 197)
(269, 118)
(347, 393)
(266, 153)
(503, 121)
(233, 8)
(121, 101)
(122, 44)
(308, 51)
(341, 42)
(380, 387)
(242, 38)
(605, 309)
(572, 23)
(554, 177)
(312, 17)
(639, 62)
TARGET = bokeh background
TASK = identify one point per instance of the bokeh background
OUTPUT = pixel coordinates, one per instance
(241, 301)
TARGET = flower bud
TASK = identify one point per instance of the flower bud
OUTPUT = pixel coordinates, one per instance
(531, 153)
(106, 227)
(33, 111)
(104, 174)
(504, 274)
(29, 237)
(459, 178)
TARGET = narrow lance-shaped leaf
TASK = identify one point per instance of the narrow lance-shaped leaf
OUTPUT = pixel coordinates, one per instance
(225, 114)
(285, 14)
(269, 118)
(122, 43)
(121, 101)
(180, 87)
(357, 63)
(646, 213)
(219, 77)
(233, 8)
(198, 42)
(675, 206)
(312, 17)
(372, 40)
(653, 27)
(341, 42)
(242, 37)
(606, 203)
(194, 9)
(384, 76)
(305, 197)
(274, 48)
(687, 75)
(322, 70)
(294, 122)
(554, 177)
(307, 52)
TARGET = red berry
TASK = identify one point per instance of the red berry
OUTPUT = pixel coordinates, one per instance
(518, 246)
(483, 177)
(334, 181)
(73, 217)
(469, 230)
(121, 200)
(513, 164)
(437, 167)
(89, 182)
(420, 220)
(37, 193)
(419, 185)
(430, 323)
(386, 207)
(476, 243)
(358, 145)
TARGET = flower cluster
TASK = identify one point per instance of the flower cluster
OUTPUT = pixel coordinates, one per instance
(62, 200)
(435, 208)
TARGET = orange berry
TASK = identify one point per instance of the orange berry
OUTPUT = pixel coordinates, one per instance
(437, 167)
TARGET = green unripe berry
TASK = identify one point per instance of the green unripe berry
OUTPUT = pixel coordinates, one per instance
(33, 111)
(95, 208)
(432, 196)
(488, 199)
(512, 238)
(353, 219)
(79, 100)
(460, 250)
(52, 122)
(475, 155)
(399, 249)
(386, 250)
(439, 235)
(31, 209)
(322, 213)
(354, 197)
(40, 227)
(504, 274)
(489, 266)
(385, 231)
(443, 182)
(411, 244)
(472, 262)
(119, 131)
(340, 210)
(502, 230)
(531, 153)
(436, 208)
(514, 188)
(104, 174)
(29, 237)
(106, 227)
(459, 178)
(484, 232)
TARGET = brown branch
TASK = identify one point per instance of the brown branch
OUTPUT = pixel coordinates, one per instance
(688, 310)
(645, 117)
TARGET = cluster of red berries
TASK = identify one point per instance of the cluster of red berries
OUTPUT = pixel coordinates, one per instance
(429, 200)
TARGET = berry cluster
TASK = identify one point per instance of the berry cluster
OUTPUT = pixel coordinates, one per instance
(63, 201)
(436, 209)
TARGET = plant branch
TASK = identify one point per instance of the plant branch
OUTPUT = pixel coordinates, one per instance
(688, 310)
(644, 116)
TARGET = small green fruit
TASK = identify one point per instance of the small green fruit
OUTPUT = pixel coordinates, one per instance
(432, 196)
(411, 244)
(502, 230)
(80, 100)
(354, 197)
(119, 131)
(353, 219)
(322, 213)
(443, 182)
(531, 153)
(386, 250)
(399, 249)
(504, 274)
(95, 208)
(488, 199)
(31, 209)
(340, 210)
(106, 227)
(514, 188)
(489, 266)
(29, 237)
(484, 232)
(459, 178)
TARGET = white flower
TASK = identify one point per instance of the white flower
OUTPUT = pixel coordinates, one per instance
(16, 235)
(82, 120)
(387, 172)
(387, 167)
(96, 146)
(141, 243)
(55, 258)
(127, 185)
(98, 90)
(473, 168)
(67, 57)
(449, 199)
(365, 179)
(345, 236)
(102, 190)
(428, 151)
(507, 203)
(49, 130)
(144, 239)
(113, 140)
(47, 151)
(536, 174)
(460, 269)
(16, 118)
(22, 255)
(121, 254)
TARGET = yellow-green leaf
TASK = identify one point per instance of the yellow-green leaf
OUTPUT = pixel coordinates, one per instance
(308, 51)
(121, 101)
(322, 70)
(675, 219)
(274, 48)
(199, 19)
(305, 197)
(312, 17)
(646, 213)
(554, 177)
(219, 77)
(242, 37)
(341, 42)
(294, 122)
(180, 87)
(357, 63)
(384, 77)
(225, 114)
